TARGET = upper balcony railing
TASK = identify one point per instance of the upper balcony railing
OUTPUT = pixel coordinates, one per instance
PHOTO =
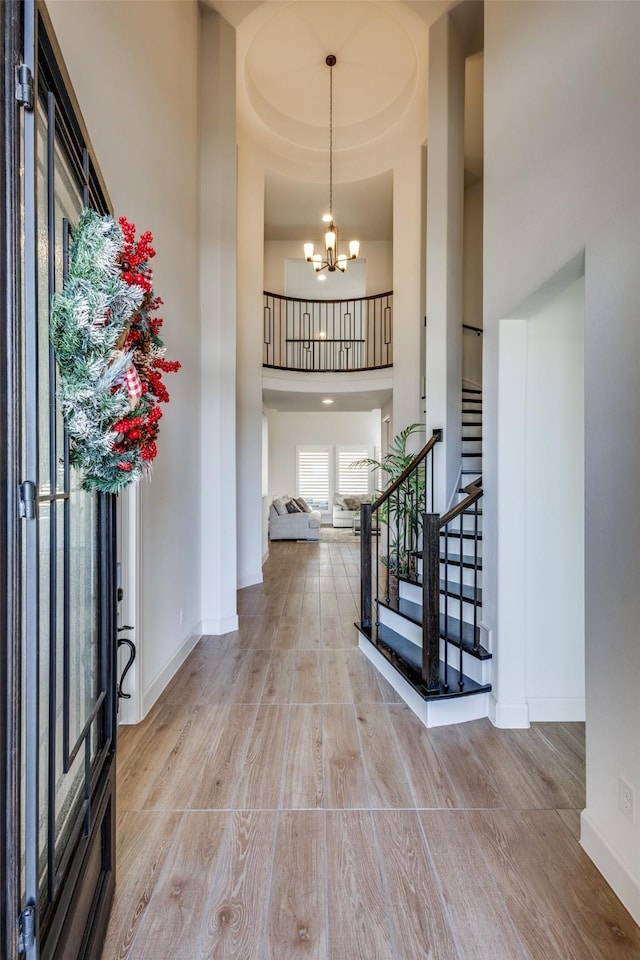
(327, 335)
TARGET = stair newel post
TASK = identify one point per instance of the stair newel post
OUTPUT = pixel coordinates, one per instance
(430, 602)
(475, 576)
(445, 531)
(365, 564)
(461, 605)
(398, 535)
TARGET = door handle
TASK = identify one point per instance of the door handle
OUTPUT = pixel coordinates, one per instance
(128, 665)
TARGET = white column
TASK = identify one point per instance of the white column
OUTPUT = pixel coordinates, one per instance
(218, 322)
(407, 303)
(445, 217)
(249, 360)
(505, 555)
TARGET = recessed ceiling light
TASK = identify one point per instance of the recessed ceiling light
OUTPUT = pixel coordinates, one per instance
(326, 218)
(327, 401)
(322, 278)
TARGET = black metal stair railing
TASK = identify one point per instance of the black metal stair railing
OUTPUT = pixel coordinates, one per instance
(398, 517)
(328, 335)
(452, 541)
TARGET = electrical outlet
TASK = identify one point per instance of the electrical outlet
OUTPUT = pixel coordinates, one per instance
(626, 799)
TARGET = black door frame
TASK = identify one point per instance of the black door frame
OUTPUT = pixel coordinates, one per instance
(76, 927)
(10, 392)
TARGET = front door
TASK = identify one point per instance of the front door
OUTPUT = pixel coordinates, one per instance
(64, 591)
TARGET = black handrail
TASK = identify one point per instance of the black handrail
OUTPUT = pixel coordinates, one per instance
(473, 492)
(327, 335)
(435, 437)
(373, 296)
(477, 330)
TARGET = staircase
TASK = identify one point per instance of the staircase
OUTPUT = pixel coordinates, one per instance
(436, 661)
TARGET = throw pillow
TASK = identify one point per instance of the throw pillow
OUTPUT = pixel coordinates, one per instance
(353, 503)
(292, 507)
(280, 506)
(339, 502)
(302, 503)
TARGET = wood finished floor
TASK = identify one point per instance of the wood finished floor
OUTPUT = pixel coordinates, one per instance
(279, 802)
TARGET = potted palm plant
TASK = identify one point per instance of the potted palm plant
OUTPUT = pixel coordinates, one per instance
(400, 514)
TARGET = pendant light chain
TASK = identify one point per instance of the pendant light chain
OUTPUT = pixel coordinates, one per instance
(331, 140)
(332, 260)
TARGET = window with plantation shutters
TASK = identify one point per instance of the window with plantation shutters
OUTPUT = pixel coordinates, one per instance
(349, 479)
(312, 475)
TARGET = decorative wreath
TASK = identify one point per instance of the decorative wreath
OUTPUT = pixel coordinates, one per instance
(109, 354)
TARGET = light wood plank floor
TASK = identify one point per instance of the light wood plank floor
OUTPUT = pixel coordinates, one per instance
(280, 803)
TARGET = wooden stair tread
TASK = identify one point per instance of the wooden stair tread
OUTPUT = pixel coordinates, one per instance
(453, 589)
(451, 631)
(464, 534)
(466, 560)
(407, 658)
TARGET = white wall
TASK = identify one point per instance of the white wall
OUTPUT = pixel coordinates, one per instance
(554, 508)
(561, 176)
(377, 253)
(135, 77)
(472, 256)
(472, 284)
(287, 430)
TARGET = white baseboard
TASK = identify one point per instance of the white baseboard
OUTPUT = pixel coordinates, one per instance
(557, 709)
(624, 884)
(156, 687)
(508, 716)
(248, 579)
(215, 628)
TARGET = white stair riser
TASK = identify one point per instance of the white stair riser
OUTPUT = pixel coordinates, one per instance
(453, 546)
(410, 591)
(468, 574)
(478, 670)
(468, 525)
(472, 445)
(406, 628)
(413, 593)
(452, 607)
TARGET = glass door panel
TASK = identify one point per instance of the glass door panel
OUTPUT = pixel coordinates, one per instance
(68, 603)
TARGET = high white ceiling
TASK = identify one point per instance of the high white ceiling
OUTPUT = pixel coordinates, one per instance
(380, 92)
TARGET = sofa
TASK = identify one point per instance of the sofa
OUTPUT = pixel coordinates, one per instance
(291, 518)
(346, 506)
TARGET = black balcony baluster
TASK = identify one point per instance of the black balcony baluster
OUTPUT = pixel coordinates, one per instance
(353, 328)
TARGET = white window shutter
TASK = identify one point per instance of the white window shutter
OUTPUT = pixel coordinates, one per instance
(312, 463)
(353, 480)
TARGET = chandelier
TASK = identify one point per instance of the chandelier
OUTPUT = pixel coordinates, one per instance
(332, 259)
